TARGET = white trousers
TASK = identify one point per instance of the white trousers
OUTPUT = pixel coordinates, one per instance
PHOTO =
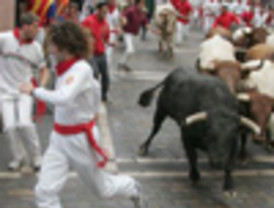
(182, 32)
(18, 124)
(65, 152)
(208, 22)
(130, 49)
(110, 49)
(17, 112)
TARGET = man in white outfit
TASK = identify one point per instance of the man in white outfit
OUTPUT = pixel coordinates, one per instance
(209, 15)
(113, 19)
(260, 17)
(73, 142)
(240, 7)
(19, 56)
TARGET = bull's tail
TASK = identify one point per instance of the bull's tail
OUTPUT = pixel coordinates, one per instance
(147, 96)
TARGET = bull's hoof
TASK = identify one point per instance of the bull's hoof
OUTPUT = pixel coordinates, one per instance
(195, 183)
(230, 194)
(195, 177)
(169, 57)
(259, 139)
(269, 147)
(160, 55)
(143, 151)
(242, 159)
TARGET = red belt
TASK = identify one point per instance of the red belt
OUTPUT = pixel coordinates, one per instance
(41, 107)
(114, 31)
(87, 129)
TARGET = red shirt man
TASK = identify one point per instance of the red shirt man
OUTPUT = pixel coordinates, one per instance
(247, 17)
(226, 19)
(99, 28)
(184, 8)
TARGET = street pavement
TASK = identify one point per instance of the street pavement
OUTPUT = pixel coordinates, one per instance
(163, 173)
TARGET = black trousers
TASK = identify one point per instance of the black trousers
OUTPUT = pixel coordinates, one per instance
(100, 65)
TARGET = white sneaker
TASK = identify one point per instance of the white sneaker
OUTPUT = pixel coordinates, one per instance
(36, 164)
(139, 201)
(15, 165)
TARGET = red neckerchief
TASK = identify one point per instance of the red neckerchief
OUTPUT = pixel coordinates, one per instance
(64, 66)
(111, 8)
(16, 33)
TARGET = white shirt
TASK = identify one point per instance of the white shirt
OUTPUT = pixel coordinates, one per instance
(208, 8)
(13, 71)
(240, 8)
(113, 19)
(259, 19)
(76, 97)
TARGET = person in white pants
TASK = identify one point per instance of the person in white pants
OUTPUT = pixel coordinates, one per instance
(260, 17)
(113, 19)
(209, 15)
(19, 56)
(73, 142)
(132, 19)
(185, 10)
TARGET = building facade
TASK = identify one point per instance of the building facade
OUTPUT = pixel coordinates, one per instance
(7, 14)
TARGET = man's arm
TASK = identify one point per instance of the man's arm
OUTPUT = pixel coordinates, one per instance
(44, 76)
(41, 63)
(64, 95)
(216, 22)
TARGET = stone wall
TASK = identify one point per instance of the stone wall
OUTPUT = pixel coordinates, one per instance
(7, 16)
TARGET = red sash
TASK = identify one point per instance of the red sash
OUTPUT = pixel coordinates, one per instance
(87, 129)
(41, 107)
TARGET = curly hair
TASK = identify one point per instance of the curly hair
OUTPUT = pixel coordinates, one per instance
(70, 37)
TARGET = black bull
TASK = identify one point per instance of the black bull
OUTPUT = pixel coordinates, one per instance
(207, 114)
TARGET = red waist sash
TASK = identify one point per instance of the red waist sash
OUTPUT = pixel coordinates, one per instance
(87, 129)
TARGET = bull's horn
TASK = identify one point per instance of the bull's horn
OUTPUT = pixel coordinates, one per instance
(200, 116)
(251, 125)
(244, 97)
(252, 65)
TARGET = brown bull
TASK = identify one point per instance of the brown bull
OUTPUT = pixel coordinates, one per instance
(258, 107)
(251, 37)
(225, 33)
(231, 72)
(166, 25)
(248, 38)
(260, 52)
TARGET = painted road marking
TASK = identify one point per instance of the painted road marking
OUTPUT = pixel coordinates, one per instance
(138, 160)
(144, 75)
(158, 174)
(207, 174)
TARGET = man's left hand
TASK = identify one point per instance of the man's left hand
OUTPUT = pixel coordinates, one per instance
(26, 88)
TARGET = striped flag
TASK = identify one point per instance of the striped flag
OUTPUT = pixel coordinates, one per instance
(44, 9)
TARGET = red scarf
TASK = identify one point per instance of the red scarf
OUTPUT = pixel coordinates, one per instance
(64, 66)
(111, 8)
(16, 33)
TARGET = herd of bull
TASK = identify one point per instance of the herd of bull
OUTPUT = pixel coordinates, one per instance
(228, 101)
